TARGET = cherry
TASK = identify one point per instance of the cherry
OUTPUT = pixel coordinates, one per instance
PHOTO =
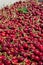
(33, 63)
(27, 61)
(21, 34)
(14, 60)
(41, 57)
(1, 63)
(37, 58)
(20, 59)
(25, 46)
(40, 63)
(2, 57)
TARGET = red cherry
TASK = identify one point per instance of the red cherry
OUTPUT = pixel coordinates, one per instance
(14, 60)
(25, 45)
(2, 57)
(1, 63)
(40, 63)
(27, 62)
(37, 58)
(33, 63)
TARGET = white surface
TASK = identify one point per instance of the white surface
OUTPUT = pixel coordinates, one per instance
(7, 2)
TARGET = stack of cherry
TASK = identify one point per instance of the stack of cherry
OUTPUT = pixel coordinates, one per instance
(21, 34)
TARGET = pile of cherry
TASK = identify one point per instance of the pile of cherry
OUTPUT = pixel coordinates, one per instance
(21, 34)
